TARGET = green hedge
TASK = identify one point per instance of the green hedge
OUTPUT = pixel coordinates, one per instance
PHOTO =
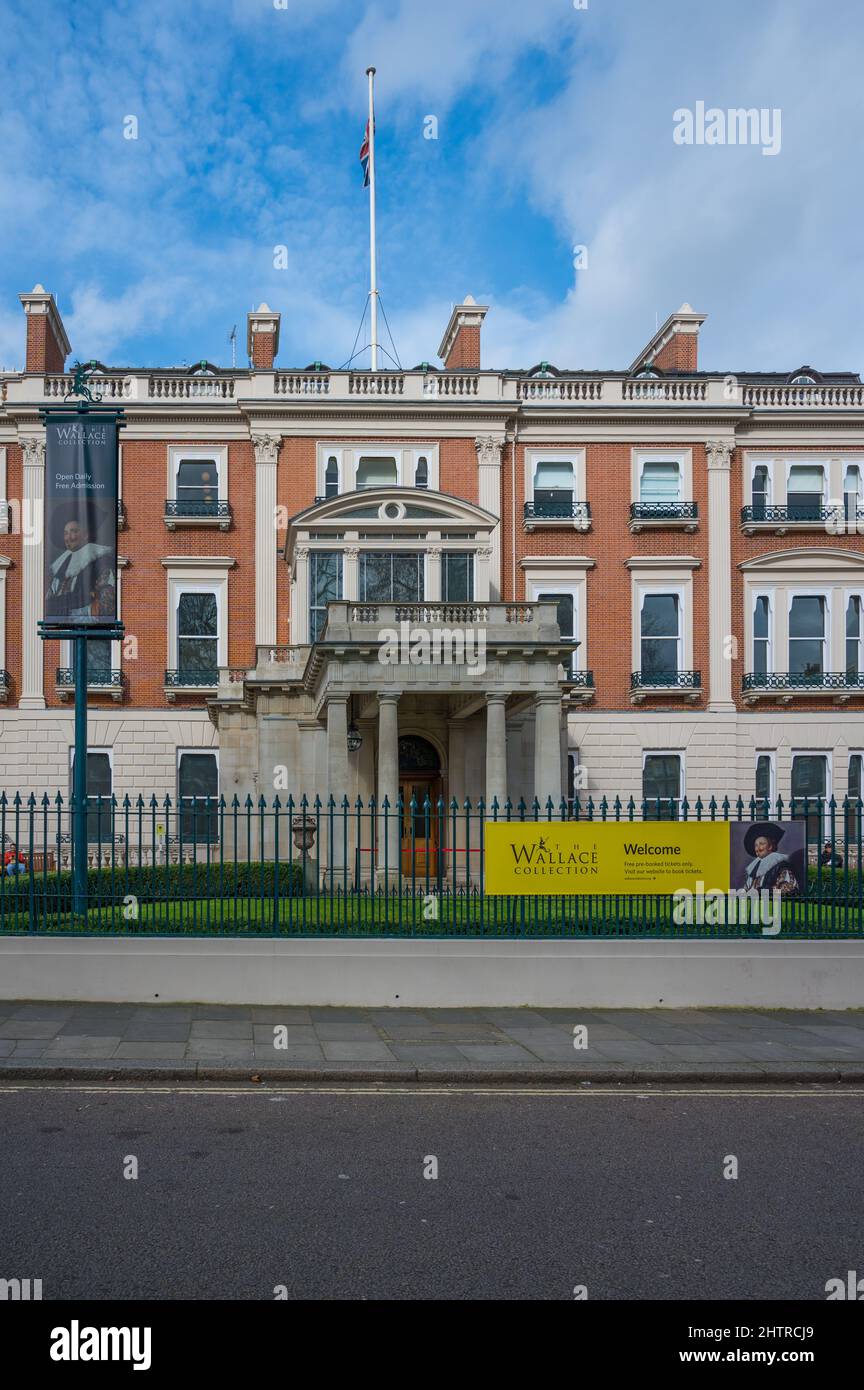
(167, 882)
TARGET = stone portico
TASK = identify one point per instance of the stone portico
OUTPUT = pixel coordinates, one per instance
(452, 701)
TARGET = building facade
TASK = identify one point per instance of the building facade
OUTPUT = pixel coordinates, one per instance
(453, 581)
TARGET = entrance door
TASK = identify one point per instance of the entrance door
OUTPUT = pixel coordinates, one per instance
(420, 789)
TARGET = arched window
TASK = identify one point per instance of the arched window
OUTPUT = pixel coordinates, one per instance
(421, 473)
(331, 478)
(761, 491)
(803, 379)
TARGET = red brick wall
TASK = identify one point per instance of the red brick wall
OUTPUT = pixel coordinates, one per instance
(263, 350)
(609, 543)
(465, 352)
(144, 584)
(43, 352)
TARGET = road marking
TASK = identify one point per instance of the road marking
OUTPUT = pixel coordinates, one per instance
(791, 1091)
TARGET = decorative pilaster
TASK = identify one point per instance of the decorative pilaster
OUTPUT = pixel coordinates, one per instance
(433, 573)
(32, 552)
(719, 454)
(351, 573)
(489, 497)
(266, 454)
(300, 634)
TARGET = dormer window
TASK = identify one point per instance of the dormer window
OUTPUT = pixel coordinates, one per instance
(802, 379)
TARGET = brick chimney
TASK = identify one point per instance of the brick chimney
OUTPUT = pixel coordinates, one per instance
(47, 344)
(460, 346)
(675, 345)
(262, 336)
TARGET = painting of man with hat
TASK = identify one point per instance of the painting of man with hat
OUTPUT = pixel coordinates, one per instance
(81, 582)
(768, 857)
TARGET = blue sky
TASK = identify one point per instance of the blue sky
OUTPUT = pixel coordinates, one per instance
(555, 130)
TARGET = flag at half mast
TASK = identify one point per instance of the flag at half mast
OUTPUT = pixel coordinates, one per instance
(364, 156)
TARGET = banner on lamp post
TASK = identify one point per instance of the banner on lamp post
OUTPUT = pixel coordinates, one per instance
(81, 484)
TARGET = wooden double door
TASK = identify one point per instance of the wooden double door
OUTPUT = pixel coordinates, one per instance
(421, 824)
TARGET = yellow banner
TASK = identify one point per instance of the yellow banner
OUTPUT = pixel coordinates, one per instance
(606, 857)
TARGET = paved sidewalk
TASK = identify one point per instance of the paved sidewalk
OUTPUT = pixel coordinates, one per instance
(210, 1041)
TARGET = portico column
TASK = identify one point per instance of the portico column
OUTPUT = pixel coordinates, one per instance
(32, 522)
(719, 452)
(496, 752)
(266, 452)
(547, 749)
(388, 784)
(337, 779)
(456, 792)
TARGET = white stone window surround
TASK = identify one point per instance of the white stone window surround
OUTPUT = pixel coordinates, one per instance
(663, 575)
(216, 454)
(5, 563)
(201, 576)
(678, 753)
(92, 748)
(780, 463)
(829, 646)
(349, 454)
(761, 591)
(683, 458)
(563, 574)
(575, 457)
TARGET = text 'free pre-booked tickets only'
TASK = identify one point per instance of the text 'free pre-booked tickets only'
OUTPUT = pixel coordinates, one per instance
(587, 857)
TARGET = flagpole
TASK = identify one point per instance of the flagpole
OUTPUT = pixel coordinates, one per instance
(373, 290)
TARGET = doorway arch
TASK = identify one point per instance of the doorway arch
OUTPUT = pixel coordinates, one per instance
(421, 790)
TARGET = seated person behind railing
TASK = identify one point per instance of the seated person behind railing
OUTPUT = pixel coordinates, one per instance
(830, 857)
(14, 862)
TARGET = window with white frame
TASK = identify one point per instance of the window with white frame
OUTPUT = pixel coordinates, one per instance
(100, 791)
(854, 793)
(660, 637)
(854, 637)
(198, 480)
(762, 646)
(331, 477)
(765, 781)
(457, 576)
(198, 633)
(662, 785)
(566, 615)
(421, 472)
(376, 470)
(805, 491)
(761, 490)
(660, 481)
(553, 487)
(325, 586)
(852, 495)
(807, 636)
(197, 795)
(391, 576)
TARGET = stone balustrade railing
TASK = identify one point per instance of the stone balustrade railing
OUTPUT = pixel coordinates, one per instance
(524, 392)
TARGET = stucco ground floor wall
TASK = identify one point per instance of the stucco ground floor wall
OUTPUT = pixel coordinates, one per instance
(436, 973)
(718, 752)
(283, 748)
(144, 745)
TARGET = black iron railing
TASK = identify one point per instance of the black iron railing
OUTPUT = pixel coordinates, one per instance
(664, 511)
(799, 680)
(175, 679)
(763, 513)
(666, 680)
(557, 510)
(180, 507)
(584, 680)
(110, 680)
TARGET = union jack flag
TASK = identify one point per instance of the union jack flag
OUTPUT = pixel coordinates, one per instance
(364, 156)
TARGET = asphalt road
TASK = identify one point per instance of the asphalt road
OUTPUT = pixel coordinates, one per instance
(323, 1191)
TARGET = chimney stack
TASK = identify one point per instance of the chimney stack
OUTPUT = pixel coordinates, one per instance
(47, 344)
(460, 346)
(675, 345)
(262, 336)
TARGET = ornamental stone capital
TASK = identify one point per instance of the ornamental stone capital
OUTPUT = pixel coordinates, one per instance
(719, 453)
(489, 448)
(34, 452)
(266, 447)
